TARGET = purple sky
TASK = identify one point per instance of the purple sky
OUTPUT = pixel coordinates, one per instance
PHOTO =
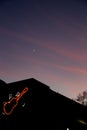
(46, 40)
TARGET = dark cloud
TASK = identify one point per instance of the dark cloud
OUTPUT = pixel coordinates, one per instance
(3, 1)
(82, 1)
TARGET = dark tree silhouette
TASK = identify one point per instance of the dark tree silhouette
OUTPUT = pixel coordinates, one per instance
(82, 98)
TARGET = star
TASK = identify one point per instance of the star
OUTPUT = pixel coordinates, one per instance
(34, 50)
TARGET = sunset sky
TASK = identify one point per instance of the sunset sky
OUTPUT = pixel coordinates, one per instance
(45, 40)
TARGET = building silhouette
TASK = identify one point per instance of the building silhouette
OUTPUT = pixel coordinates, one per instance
(38, 108)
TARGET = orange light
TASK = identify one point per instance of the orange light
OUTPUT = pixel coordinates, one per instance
(14, 99)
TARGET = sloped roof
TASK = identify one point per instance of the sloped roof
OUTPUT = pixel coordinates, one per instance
(46, 106)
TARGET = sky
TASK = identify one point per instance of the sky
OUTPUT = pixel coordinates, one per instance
(45, 40)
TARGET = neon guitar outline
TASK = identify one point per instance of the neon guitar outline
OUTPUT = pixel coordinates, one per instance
(16, 99)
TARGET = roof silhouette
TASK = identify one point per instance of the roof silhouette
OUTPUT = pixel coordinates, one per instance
(40, 108)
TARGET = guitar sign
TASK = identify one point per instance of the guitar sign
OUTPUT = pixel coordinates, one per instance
(9, 106)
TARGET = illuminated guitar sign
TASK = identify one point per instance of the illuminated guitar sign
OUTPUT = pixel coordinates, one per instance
(9, 106)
